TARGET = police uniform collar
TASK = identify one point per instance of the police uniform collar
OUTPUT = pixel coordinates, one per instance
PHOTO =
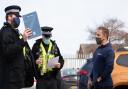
(7, 24)
(45, 44)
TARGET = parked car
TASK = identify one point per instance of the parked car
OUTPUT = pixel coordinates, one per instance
(69, 76)
(119, 74)
(84, 73)
(70, 71)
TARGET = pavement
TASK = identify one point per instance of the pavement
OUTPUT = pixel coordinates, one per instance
(34, 87)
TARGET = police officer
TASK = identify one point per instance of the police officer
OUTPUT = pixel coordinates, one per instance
(12, 49)
(43, 50)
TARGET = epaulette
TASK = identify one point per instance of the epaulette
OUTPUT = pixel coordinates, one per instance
(53, 41)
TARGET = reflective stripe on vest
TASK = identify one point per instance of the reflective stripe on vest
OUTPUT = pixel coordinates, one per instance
(24, 49)
(45, 57)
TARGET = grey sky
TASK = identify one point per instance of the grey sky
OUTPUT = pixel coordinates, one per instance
(70, 18)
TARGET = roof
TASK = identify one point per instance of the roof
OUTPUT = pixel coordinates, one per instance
(87, 48)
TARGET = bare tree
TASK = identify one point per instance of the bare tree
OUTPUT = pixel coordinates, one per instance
(115, 27)
(118, 36)
(126, 39)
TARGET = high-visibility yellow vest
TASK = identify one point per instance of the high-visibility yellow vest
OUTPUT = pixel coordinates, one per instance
(45, 57)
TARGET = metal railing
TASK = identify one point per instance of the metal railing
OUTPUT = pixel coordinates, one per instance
(73, 63)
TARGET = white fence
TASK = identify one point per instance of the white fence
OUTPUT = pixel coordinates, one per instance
(73, 63)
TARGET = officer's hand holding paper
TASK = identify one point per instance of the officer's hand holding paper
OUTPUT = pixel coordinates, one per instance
(57, 65)
(53, 62)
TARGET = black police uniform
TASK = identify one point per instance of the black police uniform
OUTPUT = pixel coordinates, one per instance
(50, 79)
(29, 67)
(1, 67)
(12, 54)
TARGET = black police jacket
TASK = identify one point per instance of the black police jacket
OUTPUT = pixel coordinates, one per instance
(11, 51)
(55, 51)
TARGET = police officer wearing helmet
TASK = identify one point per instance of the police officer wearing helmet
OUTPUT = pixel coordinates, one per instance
(12, 49)
(43, 50)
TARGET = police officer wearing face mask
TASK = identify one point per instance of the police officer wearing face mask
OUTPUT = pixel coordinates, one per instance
(43, 50)
(11, 50)
(103, 61)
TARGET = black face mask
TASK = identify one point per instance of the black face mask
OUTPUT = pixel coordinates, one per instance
(98, 41)
(15, 22)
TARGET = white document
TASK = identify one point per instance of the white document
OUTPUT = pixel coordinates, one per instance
(52, 62)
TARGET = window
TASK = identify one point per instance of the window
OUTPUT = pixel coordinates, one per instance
(123, 60)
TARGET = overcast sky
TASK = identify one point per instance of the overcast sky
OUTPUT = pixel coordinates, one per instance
(70, 18)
